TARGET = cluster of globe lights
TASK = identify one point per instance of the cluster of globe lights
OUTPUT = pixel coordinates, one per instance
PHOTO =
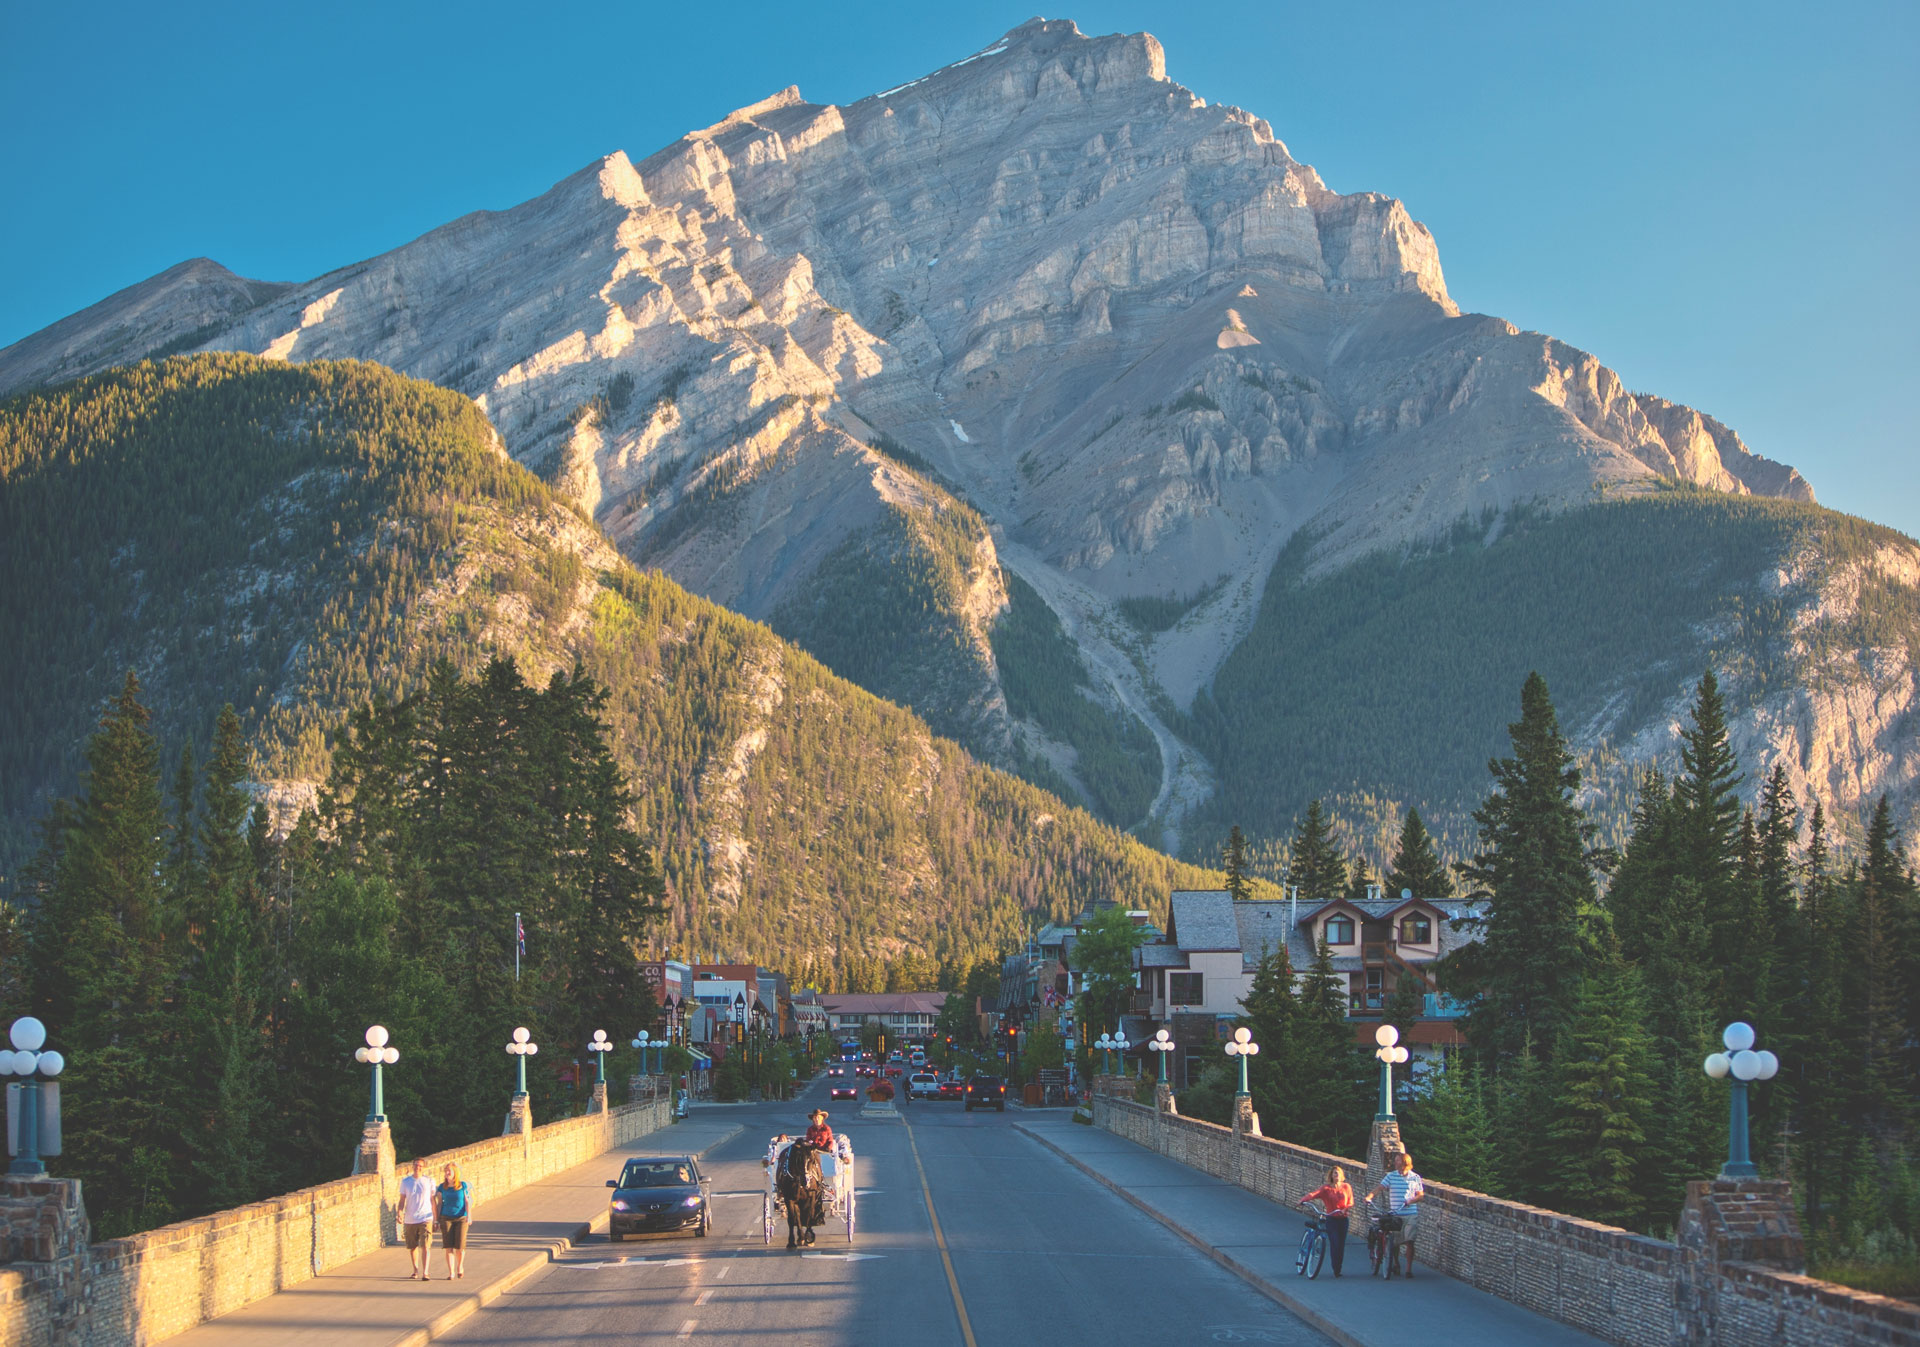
(1740, 1060)
(377, 1052)
(522, 1045)
(28, 1036)
(1387, 1036)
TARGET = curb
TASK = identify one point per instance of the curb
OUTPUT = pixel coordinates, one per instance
(1271, 1290)
(445, 1322)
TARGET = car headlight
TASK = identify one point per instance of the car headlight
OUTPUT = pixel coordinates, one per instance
(691, 1202)
(619, 1204)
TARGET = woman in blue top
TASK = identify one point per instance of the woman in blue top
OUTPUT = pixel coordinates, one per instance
(453, 1208)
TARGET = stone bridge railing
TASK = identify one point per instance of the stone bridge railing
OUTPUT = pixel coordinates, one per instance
(1732, 1278)
(55, 1288)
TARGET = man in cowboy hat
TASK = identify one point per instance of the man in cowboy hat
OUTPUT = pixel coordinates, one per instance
(819, 1135)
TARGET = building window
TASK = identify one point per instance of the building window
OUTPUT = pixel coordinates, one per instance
(1416, 930)
(1339, 930)
(1186, 989)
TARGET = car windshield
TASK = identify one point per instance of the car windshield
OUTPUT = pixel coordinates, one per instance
(655, 1174)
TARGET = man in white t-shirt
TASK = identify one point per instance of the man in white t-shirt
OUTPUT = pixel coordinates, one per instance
(416, 1218)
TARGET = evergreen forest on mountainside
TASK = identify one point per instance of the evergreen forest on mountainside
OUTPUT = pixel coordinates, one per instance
(885, 609)
(1116, 760)
(1409, 655)
(300, 539)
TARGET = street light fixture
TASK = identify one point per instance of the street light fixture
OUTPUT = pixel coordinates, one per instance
(1120, 1045)
(25, 1059)
(378, 1053)
(600, 1047)
(1105, 1044)
(522, 1047)
(1162, 1043)
(645, 1043)
(1744, 1064)
(1387, 1037)
(1241, 1045)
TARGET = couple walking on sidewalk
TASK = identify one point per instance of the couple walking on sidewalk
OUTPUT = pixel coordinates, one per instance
(1403, 1189)
(425, 1209)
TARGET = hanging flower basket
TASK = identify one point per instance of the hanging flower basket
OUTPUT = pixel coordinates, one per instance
(879, 1091)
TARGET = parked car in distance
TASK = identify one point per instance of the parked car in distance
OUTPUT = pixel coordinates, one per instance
(987, 1092)
(658, 1193)
(923, 1084)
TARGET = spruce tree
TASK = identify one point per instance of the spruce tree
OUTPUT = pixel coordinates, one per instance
(1271, 1013)
(1708, 809)
(1233, 860)
(1603, 1094)
(1314, 862)
(1359, 881)
(1882, 911)
(1451, 1130)
(1417, 867)
(101, 976)
(1534, 877)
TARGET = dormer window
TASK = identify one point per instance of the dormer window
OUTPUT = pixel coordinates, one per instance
(1339, 930)
(1416, 929)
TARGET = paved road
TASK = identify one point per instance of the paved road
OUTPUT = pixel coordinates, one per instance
(1039, 1253)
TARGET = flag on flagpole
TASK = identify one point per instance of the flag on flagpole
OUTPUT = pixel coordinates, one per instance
(519, 934)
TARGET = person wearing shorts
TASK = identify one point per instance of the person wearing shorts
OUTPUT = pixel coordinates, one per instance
(416, 1218)
(453, 1209)
(1403, 1189)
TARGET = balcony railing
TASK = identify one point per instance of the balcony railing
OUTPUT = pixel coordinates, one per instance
(1434, 1006)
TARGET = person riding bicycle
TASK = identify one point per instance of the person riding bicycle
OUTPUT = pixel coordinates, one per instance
(1404, 1189)
(1336, 1199)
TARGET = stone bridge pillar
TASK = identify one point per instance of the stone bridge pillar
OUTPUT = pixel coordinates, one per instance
(1381, 1141)
(519, 1118)
(598, 1103)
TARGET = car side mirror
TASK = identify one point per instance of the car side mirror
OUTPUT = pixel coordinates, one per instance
(613, 1183)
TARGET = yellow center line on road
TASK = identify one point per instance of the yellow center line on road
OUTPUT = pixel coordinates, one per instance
(946, 1259)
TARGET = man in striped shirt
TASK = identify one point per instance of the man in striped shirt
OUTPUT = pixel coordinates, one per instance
(1403, 1189)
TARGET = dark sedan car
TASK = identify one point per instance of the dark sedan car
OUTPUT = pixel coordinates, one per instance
(659, 1194)
(844, 1090)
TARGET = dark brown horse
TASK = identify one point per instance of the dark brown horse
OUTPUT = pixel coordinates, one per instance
(802, 1191)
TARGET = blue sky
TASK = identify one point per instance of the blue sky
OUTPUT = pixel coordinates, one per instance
(1718, 200)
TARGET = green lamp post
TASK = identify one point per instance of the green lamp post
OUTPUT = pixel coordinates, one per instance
(1387, 1037)
(521, 1048)
(1743, 1064)
(28, 1062)
(377, 1053)
(600, 1047)
(1242, 1046)
(1161, 1043)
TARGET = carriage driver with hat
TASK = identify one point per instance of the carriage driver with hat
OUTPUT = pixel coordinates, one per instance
(819, 1135)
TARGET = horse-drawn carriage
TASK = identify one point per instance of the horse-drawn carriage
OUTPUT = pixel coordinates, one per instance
(809, 1187)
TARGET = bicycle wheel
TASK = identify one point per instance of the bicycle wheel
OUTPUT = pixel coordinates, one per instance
(1316, 1255)
(1300, 1260)
(1376, 1243)
(1393, 1255)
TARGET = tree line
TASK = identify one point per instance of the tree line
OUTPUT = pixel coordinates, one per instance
(1592, 1006)
(209, 980)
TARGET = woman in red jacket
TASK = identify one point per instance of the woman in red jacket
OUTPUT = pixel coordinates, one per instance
(1337, 1199)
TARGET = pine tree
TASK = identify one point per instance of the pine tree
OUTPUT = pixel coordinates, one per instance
(101, 976)
(1603, 1092)
(1233, 860)
(1451, 1130)
(1522, 1097)
(1271, 1013)
(1708, 810)
(1314, 863)
(1882, 908)
(1417, 867)
(1359, 881)
(1535, 876)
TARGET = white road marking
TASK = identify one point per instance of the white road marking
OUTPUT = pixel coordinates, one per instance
(843, 1257)
(721, 1275)
(704, 1296)
(686, 1329)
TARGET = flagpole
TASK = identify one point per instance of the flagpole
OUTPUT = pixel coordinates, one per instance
(516, 947)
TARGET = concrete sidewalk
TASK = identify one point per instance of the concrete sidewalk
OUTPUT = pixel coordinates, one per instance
(1259, 1242)
(371, 1302)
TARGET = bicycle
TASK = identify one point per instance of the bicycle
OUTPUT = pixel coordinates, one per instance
(1313, 1245)
(1383, 1243)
